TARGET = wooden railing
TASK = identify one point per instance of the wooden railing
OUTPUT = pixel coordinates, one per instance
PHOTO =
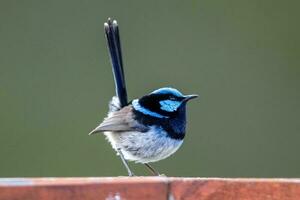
(157, 188)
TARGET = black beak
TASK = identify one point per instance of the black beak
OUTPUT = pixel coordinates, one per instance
(189, 97)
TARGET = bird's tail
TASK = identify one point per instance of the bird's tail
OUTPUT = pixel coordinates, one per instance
(114, 46)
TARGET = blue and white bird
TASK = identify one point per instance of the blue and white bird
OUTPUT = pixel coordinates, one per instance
(147, 129)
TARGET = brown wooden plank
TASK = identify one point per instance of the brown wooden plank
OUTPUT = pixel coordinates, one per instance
(233, 189)
(83, 189)
(157, 188)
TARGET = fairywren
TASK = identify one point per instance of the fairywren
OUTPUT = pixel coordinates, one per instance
(147, 129)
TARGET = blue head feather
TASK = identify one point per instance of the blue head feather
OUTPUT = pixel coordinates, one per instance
(138, 107)
(164, 108)
(169, 105)
(168, 90)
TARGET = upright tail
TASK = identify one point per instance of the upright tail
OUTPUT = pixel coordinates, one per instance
(114, 47)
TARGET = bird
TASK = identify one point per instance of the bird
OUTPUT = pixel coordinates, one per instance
(146, 129)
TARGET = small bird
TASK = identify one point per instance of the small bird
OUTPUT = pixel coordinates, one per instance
(147, 129)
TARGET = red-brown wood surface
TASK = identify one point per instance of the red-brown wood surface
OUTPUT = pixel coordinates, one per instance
(232, 189)
(157, 188)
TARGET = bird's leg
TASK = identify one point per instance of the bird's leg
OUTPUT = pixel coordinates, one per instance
(125, 162)
(153, 171)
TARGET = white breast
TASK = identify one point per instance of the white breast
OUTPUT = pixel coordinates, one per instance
(150, 146)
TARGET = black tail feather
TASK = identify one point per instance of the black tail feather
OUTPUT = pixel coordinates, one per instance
(114, 46)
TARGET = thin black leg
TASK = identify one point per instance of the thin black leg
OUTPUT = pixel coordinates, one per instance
(125, 163)
(153, 171)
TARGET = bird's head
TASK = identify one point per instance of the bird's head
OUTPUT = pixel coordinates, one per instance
(163, 103)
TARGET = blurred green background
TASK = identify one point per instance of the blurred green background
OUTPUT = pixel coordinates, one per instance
(242, 57)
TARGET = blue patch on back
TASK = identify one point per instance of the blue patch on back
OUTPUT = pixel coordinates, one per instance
(169, 105)
(168, 90)
(138, 107)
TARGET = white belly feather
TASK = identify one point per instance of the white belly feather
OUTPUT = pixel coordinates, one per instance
(144, 147)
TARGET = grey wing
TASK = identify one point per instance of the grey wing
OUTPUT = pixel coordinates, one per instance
(120, 121)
